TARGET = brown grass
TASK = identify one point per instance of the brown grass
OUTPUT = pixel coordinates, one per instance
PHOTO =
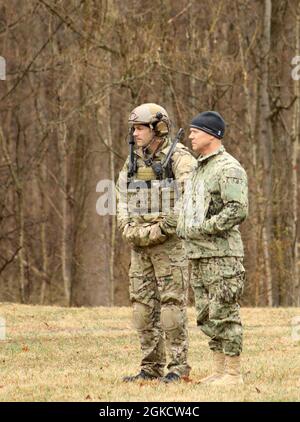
(81, 354)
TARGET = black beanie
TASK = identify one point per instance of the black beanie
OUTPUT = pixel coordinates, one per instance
(210, 122)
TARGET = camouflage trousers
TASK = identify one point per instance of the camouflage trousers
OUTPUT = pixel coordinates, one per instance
(158, 291)
(218, 284)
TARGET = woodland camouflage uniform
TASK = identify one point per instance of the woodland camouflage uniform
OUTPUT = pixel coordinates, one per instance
(215, 247)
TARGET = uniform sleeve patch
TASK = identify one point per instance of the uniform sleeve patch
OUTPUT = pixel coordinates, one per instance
(234, 172)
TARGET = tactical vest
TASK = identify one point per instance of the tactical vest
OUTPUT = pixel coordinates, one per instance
(149, 194)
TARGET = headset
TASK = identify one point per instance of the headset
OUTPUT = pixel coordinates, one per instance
(159, 123)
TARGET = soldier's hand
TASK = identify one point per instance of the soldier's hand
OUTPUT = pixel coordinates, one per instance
(193, 233)
(180, 233)
(143, 236)
(167, 228)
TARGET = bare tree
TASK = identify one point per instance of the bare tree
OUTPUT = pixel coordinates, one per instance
(75, 69)
(295, 154)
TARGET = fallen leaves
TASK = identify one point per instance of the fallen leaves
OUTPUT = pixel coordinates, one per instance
(186, 379)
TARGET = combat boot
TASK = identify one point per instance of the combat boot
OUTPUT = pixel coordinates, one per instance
(232, 374)
(141, 376)
(218, 368)
(170, 377)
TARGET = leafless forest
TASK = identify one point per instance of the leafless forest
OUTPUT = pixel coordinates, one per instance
(74, 71)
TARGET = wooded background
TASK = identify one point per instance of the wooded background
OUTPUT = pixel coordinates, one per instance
(74, 71)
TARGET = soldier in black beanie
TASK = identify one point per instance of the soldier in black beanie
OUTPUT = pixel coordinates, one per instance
(210, 122)
(208, 222)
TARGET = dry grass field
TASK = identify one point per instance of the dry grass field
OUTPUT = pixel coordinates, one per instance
(81, 354)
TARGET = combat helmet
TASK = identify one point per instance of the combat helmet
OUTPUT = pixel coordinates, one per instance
(152, 115)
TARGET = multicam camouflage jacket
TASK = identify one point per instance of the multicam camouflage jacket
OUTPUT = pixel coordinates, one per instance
(213, 207)
(144, 200)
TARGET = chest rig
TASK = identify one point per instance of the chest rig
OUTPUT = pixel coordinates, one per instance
(152, 189)
(151, 185)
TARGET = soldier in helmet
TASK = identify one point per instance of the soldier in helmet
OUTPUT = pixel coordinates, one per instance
(147, 190)
(208, 222)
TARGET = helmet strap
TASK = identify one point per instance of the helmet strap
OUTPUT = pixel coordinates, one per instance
(149, 159)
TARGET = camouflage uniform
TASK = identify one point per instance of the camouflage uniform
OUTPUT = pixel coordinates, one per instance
(215, 248)
(158, 272)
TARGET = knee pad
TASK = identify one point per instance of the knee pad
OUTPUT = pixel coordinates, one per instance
(171, 318)
(140, 316)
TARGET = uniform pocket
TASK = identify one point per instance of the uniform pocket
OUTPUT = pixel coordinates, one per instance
(173, 287)
(141, 284)
(231, 281)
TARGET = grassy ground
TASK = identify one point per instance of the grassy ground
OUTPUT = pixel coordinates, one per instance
(63, 354)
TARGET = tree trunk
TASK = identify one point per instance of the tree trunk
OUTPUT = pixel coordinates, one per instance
(265, 141)
(91, 281)
(66, 232)
(295, 152)
(20, 216)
